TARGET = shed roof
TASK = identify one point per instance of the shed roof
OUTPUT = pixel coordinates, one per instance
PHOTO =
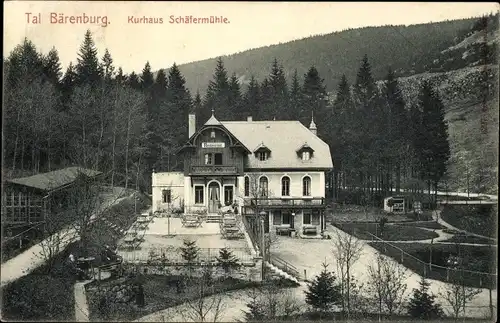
(55, 179)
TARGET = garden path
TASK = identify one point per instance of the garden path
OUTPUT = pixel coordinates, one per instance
(24, 263)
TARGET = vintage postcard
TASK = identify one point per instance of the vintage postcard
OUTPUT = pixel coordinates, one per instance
(249, 161)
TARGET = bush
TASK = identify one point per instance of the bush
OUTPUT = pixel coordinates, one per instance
(39, 297)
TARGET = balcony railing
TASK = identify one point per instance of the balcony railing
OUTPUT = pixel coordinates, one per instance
(213, 170)
(285, 202)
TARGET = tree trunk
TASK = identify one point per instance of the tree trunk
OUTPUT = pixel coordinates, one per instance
(113, 148)
(22, 154)
(17, 140)
(398, 177)
(127, 150)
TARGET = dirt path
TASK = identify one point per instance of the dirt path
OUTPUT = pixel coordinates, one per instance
(30, 259)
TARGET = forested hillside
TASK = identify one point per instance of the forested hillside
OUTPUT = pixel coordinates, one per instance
(431, 129)
(407, 50)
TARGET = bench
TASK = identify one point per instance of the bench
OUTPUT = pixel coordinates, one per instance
(283, 230)
(310, 230)
(191, 221)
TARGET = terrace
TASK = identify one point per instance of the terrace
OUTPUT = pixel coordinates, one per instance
(165, 236)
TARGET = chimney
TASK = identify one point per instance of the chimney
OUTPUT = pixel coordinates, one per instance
(192, 124)
(249, 118)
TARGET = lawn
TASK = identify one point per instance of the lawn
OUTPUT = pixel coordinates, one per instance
(426, 224)
(160, 292)
(390, 232)
(478, 219)
(357, 213)
(467, 238)
(40, 298)
(373, 317)
(479, 259)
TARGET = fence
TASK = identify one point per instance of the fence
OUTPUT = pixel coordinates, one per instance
(432, 271)
(174, 255)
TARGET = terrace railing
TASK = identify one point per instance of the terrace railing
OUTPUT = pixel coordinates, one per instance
(213, 170)
(285, 202)
(286, 267)
(174, 255)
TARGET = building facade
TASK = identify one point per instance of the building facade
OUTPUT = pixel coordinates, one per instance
(276, 168)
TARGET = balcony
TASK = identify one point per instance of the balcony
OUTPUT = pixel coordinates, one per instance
(277, 202)
(213, 170)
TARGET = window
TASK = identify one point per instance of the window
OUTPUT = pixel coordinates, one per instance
(306, 155)
(306, 217)
(228, 195)
(218, 159)
(247, 186)
(277, 218)
(306, 186)
(285, 186)
(286, 218)
(167, 196)
(208, 159)
(263, 186)
(198, 194)
(262, 155)
(315, 218)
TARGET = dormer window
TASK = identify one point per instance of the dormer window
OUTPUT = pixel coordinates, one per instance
(305, 152)
(262, 153)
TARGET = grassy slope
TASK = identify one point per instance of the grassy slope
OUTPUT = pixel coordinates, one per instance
(460, 91)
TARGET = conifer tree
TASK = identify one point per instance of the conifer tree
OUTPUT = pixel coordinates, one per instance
(397, 130)
(134, 81)
(266, 111)
(296, 108)
(367, 116)
(108, 69)
(315, 100)
(67, 83)
(197, 108)
(256, 311)
(52, 66)
(252, 98)
(433, 149)
(217, 97)
(279, 91)
(88, 70)
(422, 304)
(323, 292)
(173, 119)
(227, 260)
(235, 99)
(25, 64)
(147, 79)
(121, 79)
(342, 112)
(189, 252)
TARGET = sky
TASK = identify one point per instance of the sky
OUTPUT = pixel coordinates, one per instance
(248, 25)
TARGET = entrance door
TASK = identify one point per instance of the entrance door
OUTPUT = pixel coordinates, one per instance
(213, 197)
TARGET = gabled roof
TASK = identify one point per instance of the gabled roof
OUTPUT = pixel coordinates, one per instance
(261, 146)
(212, 121)
(282, 139)
(55, 179)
